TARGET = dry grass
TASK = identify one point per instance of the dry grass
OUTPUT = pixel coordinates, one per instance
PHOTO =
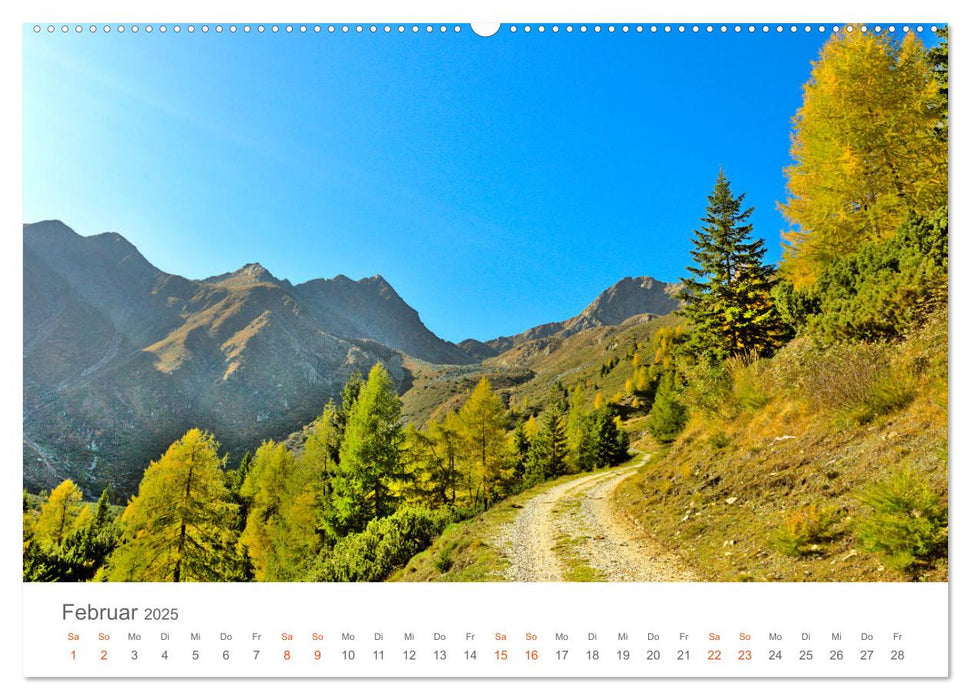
(723, 493)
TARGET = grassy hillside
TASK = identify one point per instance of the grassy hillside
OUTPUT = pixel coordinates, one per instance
(775, 486)
(534, 371)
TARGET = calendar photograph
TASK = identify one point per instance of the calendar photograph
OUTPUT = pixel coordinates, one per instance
(600, 303)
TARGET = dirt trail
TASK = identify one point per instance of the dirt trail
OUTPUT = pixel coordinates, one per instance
(572, 532)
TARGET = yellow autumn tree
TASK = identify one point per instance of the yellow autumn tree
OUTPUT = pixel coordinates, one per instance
(60, 515)
(180, 525)
(866, 149)
(531, 426)
(280, 536)
(481, 421)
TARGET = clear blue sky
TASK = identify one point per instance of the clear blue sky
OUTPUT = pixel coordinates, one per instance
(497, 183)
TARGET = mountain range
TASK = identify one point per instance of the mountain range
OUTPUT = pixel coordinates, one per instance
(120, 358)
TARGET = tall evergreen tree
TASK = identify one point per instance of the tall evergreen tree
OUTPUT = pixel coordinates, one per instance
(611, 441)
(728, 296)
(520, 445)
(668, 415)
(581, 440)
(547, 452)
(370, 458)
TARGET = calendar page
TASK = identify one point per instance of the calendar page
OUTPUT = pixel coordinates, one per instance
(437, 349)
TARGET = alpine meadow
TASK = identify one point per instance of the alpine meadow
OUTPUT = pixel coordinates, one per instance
(756, 417)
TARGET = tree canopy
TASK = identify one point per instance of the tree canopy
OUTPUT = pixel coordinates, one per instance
(867, 146)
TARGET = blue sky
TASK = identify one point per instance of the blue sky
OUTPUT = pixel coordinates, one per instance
(496, 183)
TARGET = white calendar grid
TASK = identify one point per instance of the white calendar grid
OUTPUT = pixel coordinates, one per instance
(485, 630)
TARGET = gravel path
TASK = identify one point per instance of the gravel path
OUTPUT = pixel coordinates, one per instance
(572, 532)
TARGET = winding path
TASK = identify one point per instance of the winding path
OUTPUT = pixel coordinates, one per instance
(572, 532)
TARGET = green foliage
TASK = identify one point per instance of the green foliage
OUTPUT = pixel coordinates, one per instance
(520, 445)
(547, 453)
(386, 544)
(370, 459)
(802, 530)
(80, 550)
(727, 298)
(321, 449)
(581, 440)
(611, 442)
(709, 390)
(882, 291)
(906, 524)
(432, 457)
(180, 526)
(668, 415)
(939, 65)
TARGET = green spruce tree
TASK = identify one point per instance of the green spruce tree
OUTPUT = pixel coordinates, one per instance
(547, 453)
(728, 297)
(668, 415)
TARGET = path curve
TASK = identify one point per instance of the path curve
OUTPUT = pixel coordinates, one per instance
(572, 532)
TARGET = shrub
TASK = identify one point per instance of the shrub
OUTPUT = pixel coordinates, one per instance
(906, 524)
(882, 291)
(801, 529)
(709, 389)
(748, 386)
(444, 561)
(386, 544)
(856, 380)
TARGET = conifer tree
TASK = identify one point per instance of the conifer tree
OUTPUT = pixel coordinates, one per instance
(868, 149)
(547, 453)
(668, 415)
(520, 444)
(59, 514)
(728, 296)
(581, 440)
(611, 441)
(431, 460)
(180, 525)
(279, 537)
(370, 458)
(482, 421)
(321, 449)
(531, 427)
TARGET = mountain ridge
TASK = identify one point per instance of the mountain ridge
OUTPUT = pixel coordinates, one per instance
(622, 301)
(120, 357)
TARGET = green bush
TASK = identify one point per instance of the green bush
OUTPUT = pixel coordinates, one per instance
(725, 389)
(802, 529)
(882, 291)
(444, 561)
(905, 523)
(386, 544)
